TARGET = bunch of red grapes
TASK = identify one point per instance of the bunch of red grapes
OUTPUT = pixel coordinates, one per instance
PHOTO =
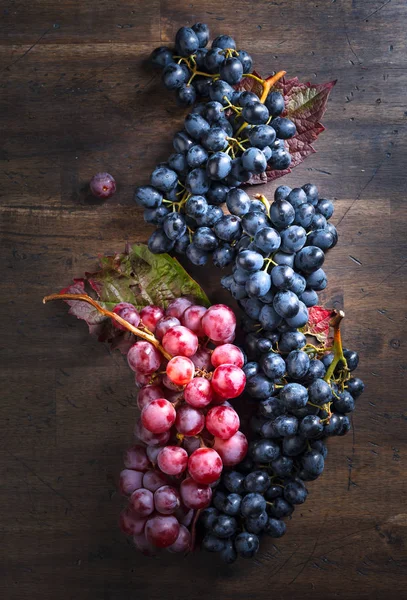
(189, 428)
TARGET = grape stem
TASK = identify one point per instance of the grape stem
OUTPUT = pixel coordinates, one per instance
(145, 335)
(337, 347)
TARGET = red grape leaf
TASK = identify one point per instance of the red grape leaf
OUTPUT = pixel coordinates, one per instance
(136, 276)
(305, 106)
(318, 325)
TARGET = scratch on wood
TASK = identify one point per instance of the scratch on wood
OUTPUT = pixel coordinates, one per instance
(377, 10)
(26, 52)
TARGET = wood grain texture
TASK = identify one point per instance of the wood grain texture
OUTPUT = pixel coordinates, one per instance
(75, 98)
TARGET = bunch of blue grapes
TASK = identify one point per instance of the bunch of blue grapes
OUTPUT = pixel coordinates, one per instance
(297, 410)
(226, 140)
(279, 254)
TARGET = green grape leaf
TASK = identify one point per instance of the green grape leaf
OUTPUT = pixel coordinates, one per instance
(135, 276)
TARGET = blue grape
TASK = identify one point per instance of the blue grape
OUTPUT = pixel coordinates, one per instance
(174, 76)
(309, 259)
(159, 243)
(223, 256)
(249, 261)
(228, 228)
(280, 159)
(182, 142)
(217, 193)
(284, 128)
(223, 42)
(148, 196)
(252, 222)
(261, 136)
(258, 284)
(186, 41)
(196, 126)
(254, 161)
(269, 318)
(161, 57)
(205, 239)
(196, 206)
(215, 139)
(163, 179)
(255, 113)
(201, 31)
(282, 214)
(293, 239)
(286, 304)
(311, 191)
(186, 94)
(174, 226)
(220, 90)
(311, 426)
(213, 59)
(231, 70)
(238, 202)
(300, 319)
(275, 103)
(196, 156)
(309, 298)
(196, 256)
(304, 215)
(246, 61)
(294, 395)
(218, 166)
(275, 528)
(197, 181)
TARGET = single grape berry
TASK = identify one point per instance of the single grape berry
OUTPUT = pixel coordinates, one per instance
(102, 185)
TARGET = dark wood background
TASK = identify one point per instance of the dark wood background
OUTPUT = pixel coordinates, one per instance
(77, 98)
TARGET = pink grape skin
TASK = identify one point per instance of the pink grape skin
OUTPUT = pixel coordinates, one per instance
(180, 370)
(233, 450)
(143, 546)
(142, 379)
(136, 458)
(219, 323)
(102, 185)
(143, 357)
(189, 420)
(205, 465)
(183, 541)
(194, 495)
(228, 381)
(222, 421)
(177, 307)
(150, 439)
(162, 531)
(192, 319)
(228, 340)
(150, 315)
(180, 341)
(128, 312)
(164, 325)
(217, 399)
(227, 354)
(152, 480)
(170, 385)
(152, 453)
(202, 359)
(191, 444)
(172, 460)
(148, 393)
(166, 500)
(158, 416)
(129, 481)
(198, 393)
(130, 522)
(142, 502)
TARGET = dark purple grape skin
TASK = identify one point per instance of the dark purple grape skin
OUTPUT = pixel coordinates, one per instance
(102, 185)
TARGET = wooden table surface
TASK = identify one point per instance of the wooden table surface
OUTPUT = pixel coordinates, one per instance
(77, 98)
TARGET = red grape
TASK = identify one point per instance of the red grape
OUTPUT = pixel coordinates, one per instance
(128, 312)
(164, 325)
(191, 444)
(151, 439)
(142, 379)
(228, 381)
(130, 522)
(143, 546)
(143, 357)
(177, 307)
(180, 341)
(102, 185)
(227, 354)
(158, 416)
(183, 541)
(170, 385)
(233, 450)
(172, 460)
(189, 420)
(150, 315)
(136, 458)
(130, 481)
(149, 393)
(198, 392)
(202, 359)
(205, 465)
(222, 422)
(162, 531)
(219, 323)
(152, 453)
(166, 500)
(180, 370)
(192, 319)
(142, 502)
(152, 480)
(194, 495)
